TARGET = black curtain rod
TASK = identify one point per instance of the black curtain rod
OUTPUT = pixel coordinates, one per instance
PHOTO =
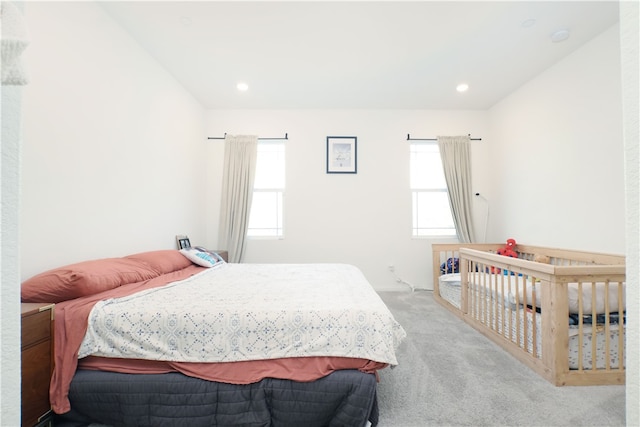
(286, 136)
(434, 139)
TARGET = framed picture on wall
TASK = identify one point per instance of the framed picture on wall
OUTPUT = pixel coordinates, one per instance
(342, 154)
(183, 242)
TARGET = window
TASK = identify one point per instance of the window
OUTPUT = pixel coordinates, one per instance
(431, 211)
(265, 219)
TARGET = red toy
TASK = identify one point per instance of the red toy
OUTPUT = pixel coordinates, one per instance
(508, 250)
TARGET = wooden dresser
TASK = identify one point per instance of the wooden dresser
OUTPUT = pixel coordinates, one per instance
(37, 362)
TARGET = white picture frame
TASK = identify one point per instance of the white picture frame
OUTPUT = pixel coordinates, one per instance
(342, 154)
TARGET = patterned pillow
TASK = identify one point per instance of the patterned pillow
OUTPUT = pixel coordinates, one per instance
(204, 259)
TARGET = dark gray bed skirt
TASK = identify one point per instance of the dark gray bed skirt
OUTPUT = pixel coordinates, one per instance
(342, 399)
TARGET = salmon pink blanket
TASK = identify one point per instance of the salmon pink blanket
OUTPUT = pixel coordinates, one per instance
(302, 369)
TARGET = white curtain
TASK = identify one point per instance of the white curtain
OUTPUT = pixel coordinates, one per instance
(240, 154)
(14, 41)
(455, 152)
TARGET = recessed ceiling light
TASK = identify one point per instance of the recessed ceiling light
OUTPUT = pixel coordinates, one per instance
(560, 36)
(186, 21)
(528, 23)
(462, 87)
(242, 87)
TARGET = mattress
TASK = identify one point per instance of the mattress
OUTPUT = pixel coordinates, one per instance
(450, 290)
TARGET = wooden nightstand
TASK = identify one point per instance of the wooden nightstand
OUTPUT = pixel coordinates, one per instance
(37, 362)
(223, 254)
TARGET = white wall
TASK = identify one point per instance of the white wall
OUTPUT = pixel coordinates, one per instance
(112, 143)
(558, 155)
(362, 219)
(629, 47)
(9, 257)
(550, 163)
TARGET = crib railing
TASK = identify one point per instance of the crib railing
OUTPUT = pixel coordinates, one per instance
(524, 306)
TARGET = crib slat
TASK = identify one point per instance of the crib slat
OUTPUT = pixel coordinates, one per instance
(535, 314)
(594, 328)
(607, 329)
(503, 310)
(580, 328)
(622, 330)
(525, 323)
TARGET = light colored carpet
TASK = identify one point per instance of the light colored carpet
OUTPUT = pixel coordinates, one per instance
(451, 375)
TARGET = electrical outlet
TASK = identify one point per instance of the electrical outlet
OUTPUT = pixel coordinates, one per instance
(392, 268)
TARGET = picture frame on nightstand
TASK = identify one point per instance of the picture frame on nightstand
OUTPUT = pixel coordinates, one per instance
(183, 242)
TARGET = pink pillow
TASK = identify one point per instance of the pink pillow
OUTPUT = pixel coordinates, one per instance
(85, 278)
(163, 261)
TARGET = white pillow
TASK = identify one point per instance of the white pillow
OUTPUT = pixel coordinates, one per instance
(203, 259)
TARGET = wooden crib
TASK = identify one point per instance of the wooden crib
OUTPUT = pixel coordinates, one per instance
(527, 306)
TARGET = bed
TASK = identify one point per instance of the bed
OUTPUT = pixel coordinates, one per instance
(560, 312)
(167, 338)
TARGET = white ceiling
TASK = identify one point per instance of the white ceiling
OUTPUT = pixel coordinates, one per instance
(358, 54)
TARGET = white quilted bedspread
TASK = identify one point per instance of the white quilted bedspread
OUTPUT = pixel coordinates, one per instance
(237, 312)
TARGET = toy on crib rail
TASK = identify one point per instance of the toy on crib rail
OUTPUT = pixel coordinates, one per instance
(542, 258)
(509, 249)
